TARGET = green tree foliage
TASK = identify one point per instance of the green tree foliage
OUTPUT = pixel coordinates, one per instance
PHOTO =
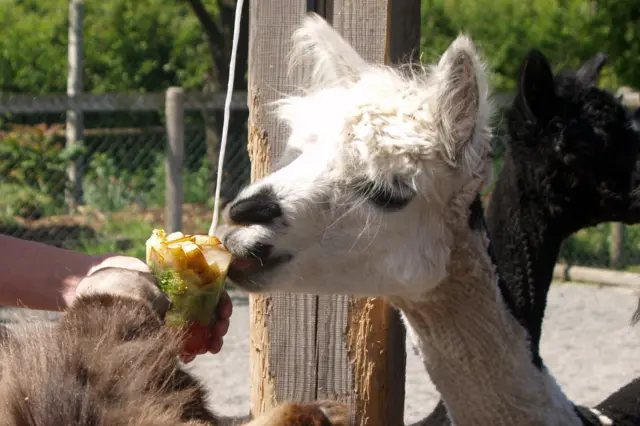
(149, 45)
(142, 45)
(33, 41)
(567, 31)
(618, 28)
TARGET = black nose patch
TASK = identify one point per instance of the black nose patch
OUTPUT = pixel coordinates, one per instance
(261, 251)
(260, 208)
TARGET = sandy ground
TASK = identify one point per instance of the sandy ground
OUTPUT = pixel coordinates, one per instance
(587, 343)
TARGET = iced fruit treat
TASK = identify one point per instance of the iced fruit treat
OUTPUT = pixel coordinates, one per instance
(191, 269)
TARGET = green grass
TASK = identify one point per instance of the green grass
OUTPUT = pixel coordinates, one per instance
(133, 234)
(125, 237)
(590, 247)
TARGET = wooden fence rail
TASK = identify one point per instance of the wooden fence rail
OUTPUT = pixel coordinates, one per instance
(154, 101)
(111, 102)
(603, 277)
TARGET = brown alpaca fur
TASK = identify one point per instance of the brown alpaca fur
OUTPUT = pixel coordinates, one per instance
(111, 361)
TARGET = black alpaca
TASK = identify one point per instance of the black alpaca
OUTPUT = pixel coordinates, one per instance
(571, 163)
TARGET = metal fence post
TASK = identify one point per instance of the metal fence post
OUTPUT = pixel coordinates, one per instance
(74, 125)
(174, 109)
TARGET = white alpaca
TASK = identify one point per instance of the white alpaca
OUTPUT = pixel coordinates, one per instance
(377, 196)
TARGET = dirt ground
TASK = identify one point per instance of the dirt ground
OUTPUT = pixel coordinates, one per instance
(587, 344)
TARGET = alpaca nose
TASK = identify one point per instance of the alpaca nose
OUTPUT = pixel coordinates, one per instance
(262, 207)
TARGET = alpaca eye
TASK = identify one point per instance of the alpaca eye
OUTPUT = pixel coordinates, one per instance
(388, 197)
(389, 201)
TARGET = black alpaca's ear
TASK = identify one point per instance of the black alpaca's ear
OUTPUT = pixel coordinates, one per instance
(536, 88)
(589, 72)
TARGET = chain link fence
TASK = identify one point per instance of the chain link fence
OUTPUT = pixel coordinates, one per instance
(122, 161)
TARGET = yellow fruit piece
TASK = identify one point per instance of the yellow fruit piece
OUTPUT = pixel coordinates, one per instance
(181, 240)
(211, 274)
(206, 240)
(175, 236)
(192, 277)
(159, 234)
(218, 256)
(204, 255)
(195, 258)
(158, 237)
(191, 269)
(176, 259)
(154, 257)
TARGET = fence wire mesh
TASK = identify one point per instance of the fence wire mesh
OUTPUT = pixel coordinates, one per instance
(122, 160)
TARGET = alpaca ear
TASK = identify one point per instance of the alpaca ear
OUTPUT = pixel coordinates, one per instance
(536, 88)
(332, 59)
(589, 72)
(462, 102)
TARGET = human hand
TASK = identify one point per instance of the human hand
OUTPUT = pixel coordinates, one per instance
(118, 261)
(202, 339)
(125, 282)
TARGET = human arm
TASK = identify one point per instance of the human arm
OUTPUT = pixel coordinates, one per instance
(39, 276)
(43, 277)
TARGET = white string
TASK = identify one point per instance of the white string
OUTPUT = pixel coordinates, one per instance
(225, 125)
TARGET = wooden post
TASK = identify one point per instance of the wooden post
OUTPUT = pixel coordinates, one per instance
(604, 277)
(174, 195)
(74, 125)
(616, 248)
(307, 347)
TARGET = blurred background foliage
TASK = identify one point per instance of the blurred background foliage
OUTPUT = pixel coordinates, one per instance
(150, 45)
